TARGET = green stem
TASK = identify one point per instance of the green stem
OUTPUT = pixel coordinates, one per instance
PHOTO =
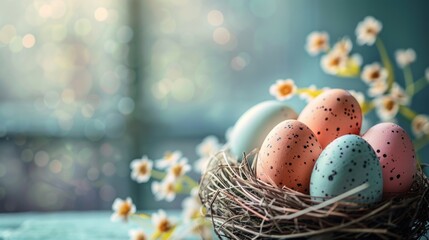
(420, 85)
(409, 82)
(158, 174)
(192, 183)
(407, 112)
(386, 62)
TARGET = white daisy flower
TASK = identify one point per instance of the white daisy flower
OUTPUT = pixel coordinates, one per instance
(386, 107)
(427, 74)
(343, 46)
(169, 159)
(164, 190)
(418, 125)
(377, 88)
(201, 164)
(317, 42)
(283, 89)
(426, 128)
(359, 96)
(141, 169)
(192, 206)
(368, 30)
(179, 168)
(207, 148)
(122, 209)
(405, 57)
(333, 62)
(161, 222)
(398, 93)
(204, 230)
(374, 72)
(137, 234)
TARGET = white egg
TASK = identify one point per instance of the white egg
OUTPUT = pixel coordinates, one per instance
(254, 125)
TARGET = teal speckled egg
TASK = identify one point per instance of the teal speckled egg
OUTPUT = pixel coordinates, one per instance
(347, 162)
(254, 125)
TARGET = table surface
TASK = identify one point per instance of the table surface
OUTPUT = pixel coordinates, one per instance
(71, 226)
(68, 226)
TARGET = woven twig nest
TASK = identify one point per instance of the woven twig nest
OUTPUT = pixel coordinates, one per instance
(243, 207)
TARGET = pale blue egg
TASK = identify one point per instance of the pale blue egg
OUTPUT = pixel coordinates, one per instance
(346, 163)
(254, 125)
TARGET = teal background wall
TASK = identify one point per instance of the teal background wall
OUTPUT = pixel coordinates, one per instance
(159, 81)
(270, 36)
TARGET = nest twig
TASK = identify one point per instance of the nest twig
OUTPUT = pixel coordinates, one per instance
(243, 207)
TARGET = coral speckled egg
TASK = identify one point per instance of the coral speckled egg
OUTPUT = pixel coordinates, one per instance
(346, 163)
(332, 114)
(253, 126)
(396, 153)
(287, 156)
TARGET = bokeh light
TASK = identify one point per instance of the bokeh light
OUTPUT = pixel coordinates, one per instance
(221, 36)
(215, 18)
(64, 93)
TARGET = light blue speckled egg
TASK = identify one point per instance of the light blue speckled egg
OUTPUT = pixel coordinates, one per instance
(254, 125)
(347, 162)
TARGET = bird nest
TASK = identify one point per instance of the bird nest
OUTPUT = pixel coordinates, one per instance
(242, 207)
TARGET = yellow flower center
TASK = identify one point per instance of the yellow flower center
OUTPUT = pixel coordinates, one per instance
(170, 187)
(140, 237)
(335, 62)
(419, 125)
(371, 31)
(389, 104)
(374, 75)
(124, 209)
(177, 170)
(285, 89)
(319, 42)
(164, 226)
(143, 169)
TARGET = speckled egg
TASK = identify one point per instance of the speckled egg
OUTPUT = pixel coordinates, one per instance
(332, 114)
(347, 162)
(287, 156)
(253, 126)
(395, 150)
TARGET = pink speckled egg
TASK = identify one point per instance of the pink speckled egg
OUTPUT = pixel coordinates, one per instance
(396, 153)
(287, 156)
(332, 114)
